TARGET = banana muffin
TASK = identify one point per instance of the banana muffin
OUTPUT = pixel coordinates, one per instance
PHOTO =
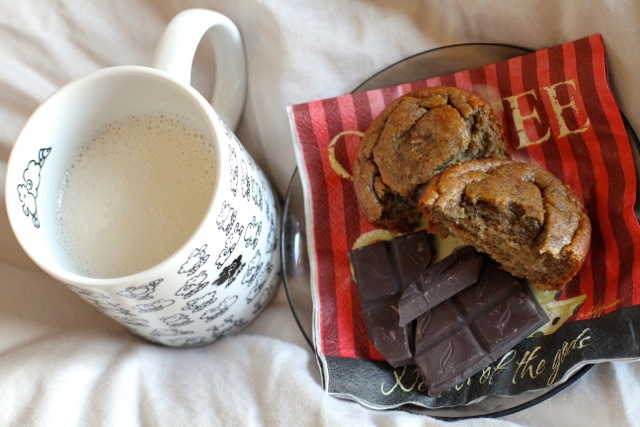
(417, 136)
(521, 215)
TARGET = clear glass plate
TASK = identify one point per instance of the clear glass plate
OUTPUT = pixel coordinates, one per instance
(295, 258)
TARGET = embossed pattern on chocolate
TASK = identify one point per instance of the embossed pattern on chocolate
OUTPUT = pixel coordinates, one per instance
(383, 270)
(464, 334)
(440, 282)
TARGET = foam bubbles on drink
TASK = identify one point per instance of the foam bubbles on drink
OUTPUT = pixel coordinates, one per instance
(134, 193)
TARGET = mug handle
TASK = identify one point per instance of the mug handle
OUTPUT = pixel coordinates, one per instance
(177, 48)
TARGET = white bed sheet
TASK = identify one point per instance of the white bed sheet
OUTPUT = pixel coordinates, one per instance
(62, 362)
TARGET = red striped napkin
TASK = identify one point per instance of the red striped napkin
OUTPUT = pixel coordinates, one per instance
(559, 113)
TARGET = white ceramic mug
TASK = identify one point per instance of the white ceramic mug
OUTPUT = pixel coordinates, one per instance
(180, 281)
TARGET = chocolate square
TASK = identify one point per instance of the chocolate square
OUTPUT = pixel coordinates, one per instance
(474, 328)
(383, 270)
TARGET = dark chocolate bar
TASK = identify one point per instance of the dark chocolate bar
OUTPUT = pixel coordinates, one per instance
(475, 327)
(383, 270)
(440, 282)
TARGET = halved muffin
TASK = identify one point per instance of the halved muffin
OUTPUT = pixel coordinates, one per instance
(521, 215)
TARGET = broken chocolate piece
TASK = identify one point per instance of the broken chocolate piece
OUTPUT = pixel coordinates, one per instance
(472, 329)
(440, 282)
(383, 271)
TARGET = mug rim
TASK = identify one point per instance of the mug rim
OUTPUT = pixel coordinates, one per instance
(54, 268)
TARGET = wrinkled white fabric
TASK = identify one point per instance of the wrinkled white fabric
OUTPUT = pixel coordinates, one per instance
(64, 363)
